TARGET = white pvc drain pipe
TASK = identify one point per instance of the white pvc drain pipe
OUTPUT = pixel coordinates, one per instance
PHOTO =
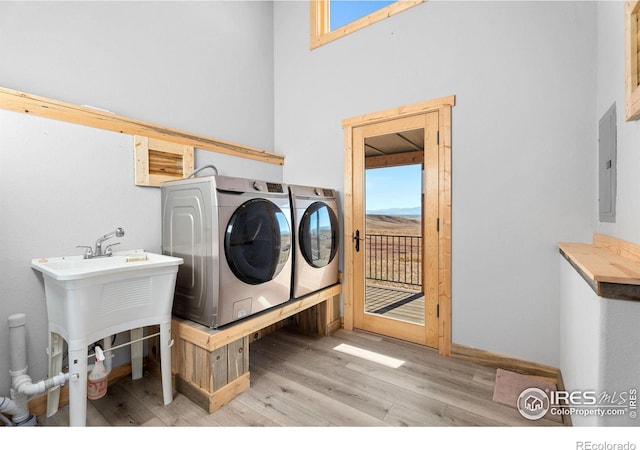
(22, 388)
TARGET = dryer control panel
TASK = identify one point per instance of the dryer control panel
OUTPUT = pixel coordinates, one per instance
(265, 186)
(275, 187)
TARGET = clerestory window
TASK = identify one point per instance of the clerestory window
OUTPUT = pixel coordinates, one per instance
(333, 19)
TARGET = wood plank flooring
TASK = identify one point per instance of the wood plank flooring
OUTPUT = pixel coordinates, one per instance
(301, 381)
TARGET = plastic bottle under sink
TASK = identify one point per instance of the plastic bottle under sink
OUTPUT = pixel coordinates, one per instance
(98, 378)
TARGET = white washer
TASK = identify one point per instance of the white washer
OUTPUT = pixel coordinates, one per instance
(316, 233)
(234, 235)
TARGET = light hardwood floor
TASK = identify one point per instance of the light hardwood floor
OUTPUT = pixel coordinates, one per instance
(299, 380)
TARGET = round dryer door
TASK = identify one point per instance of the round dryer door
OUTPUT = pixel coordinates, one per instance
(318, 234)
(257, 241)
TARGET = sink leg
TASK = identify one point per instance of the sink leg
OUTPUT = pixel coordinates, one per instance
(78, 387)
(137, 352)
(165, 362)
(56, 348)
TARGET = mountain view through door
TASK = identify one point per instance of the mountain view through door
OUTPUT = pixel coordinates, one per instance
(395, 269)
(393, 243)
(401, 254)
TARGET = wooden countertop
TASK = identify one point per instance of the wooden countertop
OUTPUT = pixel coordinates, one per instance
(609, 265)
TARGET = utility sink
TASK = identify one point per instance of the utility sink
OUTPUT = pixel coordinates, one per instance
(91, 299)
(75, 267)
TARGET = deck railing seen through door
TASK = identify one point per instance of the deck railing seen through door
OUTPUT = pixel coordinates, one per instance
(394, 260)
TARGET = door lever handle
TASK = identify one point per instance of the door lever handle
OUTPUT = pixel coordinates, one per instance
(356, 237)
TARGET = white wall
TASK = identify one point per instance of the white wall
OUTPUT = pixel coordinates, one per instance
(580, 337)
(600, 336)
(524, 137)
(598, 346)
(204, 67)
(611, 88)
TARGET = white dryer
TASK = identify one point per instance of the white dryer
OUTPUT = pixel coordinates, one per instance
(234, 235)
(316, 233)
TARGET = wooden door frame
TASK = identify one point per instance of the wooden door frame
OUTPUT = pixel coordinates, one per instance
(443, 106)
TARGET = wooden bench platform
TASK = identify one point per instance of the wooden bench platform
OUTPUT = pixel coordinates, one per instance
(211, 367)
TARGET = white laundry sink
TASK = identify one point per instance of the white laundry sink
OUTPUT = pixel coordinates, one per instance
(93, 298)
(76, 267)
(90, 299)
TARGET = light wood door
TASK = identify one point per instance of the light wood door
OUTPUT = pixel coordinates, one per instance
(426, 332)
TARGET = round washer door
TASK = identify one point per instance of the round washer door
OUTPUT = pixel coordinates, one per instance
(318, 234)
(257, 241)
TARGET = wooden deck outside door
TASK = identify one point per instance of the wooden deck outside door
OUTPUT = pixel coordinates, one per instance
(436, 222)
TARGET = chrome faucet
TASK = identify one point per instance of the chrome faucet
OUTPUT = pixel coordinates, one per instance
(98, 252)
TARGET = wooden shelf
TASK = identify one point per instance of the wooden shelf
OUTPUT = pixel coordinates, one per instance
(53, 109)
(609, 265)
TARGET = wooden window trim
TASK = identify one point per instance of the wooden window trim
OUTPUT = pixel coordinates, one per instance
(632, 69)
(321, 34)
